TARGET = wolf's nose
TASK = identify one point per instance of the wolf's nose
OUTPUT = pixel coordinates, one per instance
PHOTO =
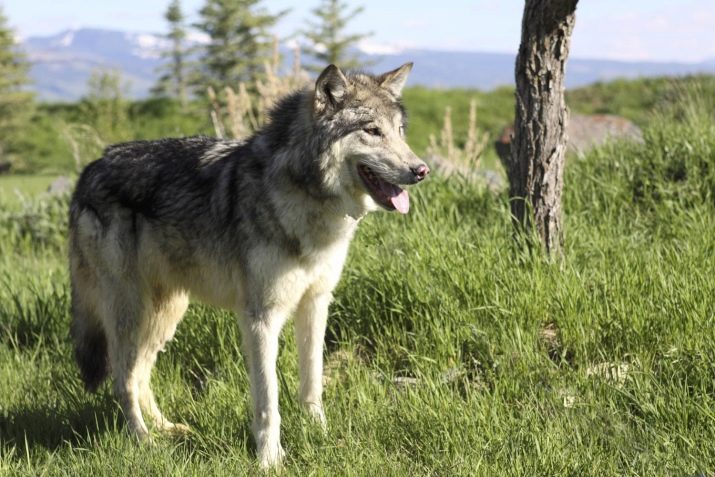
(420, 171)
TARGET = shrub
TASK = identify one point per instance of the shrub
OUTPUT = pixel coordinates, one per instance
(39, 223)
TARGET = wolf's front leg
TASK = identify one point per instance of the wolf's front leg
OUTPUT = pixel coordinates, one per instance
(260, 333)
(310, 320)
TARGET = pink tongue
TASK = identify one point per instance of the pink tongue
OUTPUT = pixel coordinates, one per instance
(396, 195)
(401, 201)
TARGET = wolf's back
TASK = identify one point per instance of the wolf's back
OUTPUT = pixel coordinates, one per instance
(141, 176)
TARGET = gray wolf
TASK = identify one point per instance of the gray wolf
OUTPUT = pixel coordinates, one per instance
(260, 226)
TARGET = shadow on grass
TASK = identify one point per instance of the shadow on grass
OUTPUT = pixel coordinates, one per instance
(52, 427)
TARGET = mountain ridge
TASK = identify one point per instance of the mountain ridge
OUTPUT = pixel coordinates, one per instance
(61, 64)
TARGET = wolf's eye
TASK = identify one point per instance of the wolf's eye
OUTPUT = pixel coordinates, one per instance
(373, 131)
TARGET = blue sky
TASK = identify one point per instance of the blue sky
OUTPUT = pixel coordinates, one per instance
(656, 30)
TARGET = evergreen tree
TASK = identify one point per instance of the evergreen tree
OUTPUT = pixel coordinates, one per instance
(104, 105)
(173, 81)
(240, 42)
(328, 41)
(16, 104)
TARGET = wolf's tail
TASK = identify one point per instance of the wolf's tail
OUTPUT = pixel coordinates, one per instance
(90, 346)
(88, 336)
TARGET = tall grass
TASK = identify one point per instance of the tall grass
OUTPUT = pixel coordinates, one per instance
(448, 351)
(33, 223)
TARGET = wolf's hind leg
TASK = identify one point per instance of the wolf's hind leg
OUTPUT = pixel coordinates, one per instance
(167, 312)
(310, 321)
(123, 313)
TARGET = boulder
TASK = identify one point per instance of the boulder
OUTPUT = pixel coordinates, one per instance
(493, 180)
(584, 133)
(60, 186)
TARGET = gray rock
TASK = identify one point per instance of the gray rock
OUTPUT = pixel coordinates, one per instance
(584, 133)
(493, 180)
(60, 186)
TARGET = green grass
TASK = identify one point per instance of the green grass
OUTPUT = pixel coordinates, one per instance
(508, 354)
(24, 185)
(48, 139)
(426, 107)
(637, 99)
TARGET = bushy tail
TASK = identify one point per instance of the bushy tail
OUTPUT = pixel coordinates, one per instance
(90, 348)
(90, 341)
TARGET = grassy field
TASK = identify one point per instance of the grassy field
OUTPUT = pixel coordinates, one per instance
(14, 187)
(449, 351)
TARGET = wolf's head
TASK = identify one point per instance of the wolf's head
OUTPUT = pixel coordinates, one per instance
(361, 123)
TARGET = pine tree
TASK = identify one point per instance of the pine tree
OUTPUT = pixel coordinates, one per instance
(329, 44)
(173, 81)
(105, 105)
(16, 104)
(240, 42)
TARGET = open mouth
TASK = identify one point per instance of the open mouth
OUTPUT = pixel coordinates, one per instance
(388, 195)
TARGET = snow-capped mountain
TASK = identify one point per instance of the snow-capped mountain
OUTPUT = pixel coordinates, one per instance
(63, 62)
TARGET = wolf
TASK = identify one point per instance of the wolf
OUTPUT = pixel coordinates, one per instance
(260, 226)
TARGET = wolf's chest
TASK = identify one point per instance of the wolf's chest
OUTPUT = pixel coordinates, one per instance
(320, 269)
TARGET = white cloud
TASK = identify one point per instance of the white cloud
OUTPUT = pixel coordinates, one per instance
(374, 48)
(682, 33)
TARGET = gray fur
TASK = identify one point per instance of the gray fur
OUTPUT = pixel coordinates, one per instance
(260, 226)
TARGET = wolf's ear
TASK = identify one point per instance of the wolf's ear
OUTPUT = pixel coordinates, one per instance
(331, 88)
(395, 80)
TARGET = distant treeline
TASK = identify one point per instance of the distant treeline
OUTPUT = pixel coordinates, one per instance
(49, 135)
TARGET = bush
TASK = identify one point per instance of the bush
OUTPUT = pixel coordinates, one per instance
(673, 169)
(39, 223)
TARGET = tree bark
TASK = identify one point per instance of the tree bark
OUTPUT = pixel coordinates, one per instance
(538, 148)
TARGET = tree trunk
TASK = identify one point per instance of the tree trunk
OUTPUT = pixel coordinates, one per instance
(538, 147)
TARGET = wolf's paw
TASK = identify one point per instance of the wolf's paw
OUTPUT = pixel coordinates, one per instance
(139, 431)
(316, 412)
(271, 456)
(144, 438)
(178, 430)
